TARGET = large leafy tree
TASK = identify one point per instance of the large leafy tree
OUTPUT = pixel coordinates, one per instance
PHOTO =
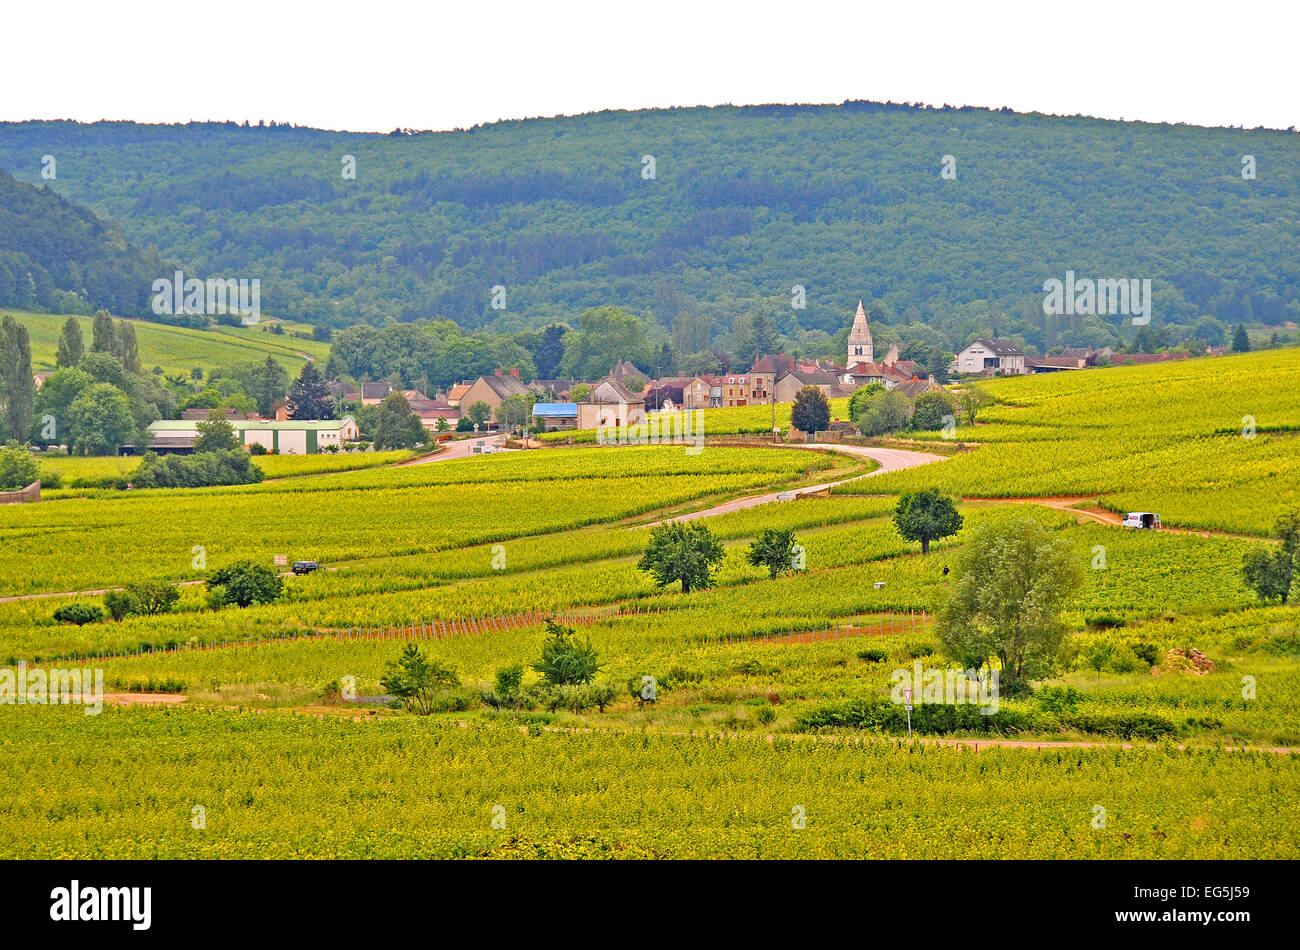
(1270, 571)
(244, 583)
(71, 344)
(604, 336)
(99, 420)
(881, 413)
(309, 396)
(215, 434)
(396, 425)
(682, 552)
(1012, 580)
(926, 516)
(812, 410)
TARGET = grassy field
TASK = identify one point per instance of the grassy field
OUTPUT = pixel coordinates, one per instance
(766, 688)
(177, 349)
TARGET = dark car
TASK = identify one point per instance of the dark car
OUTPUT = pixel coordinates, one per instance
(304, 567)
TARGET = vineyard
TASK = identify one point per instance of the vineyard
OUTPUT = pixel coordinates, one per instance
(772, 693)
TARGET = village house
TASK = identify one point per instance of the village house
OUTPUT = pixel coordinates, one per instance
(610, 405)
(372, 394)
(990, 356)
(493, 390)
(555, 415)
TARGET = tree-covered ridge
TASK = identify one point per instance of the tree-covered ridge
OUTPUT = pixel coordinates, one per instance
(59, 257)
(846, 201)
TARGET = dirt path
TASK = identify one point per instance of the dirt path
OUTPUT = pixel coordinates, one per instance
(889, 460)
(1094, 512)
(459, 449)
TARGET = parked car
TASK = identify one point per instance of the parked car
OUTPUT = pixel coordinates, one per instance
(304, 567)
(1141, 519)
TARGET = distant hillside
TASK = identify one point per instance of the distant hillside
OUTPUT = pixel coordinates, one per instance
(179, 349)
(57, 256)
(745, 203)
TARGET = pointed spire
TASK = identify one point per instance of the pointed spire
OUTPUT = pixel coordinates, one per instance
(861, 313)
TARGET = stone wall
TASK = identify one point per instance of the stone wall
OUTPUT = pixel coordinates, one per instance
(31, 493)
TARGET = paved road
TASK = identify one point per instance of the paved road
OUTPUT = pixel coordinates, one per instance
(458, 449)
(890, 460)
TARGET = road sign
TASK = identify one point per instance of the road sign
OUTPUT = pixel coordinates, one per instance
(281, 560)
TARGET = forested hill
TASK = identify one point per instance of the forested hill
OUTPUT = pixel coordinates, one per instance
(57, 256)
(846, 201)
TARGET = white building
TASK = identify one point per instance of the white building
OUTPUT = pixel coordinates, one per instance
(282, 437)
(983, 355)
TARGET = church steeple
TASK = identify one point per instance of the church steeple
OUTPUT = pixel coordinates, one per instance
(860, 346)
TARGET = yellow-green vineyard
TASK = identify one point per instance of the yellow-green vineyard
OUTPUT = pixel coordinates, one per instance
(751, 747)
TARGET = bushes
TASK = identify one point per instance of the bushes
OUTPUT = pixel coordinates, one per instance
(927, 718)
(244, 583)
(147, 599)
(79, 614)
(565, 659)
(195, 471)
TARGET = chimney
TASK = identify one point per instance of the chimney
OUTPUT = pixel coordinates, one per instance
(515, 372)
(498, 372)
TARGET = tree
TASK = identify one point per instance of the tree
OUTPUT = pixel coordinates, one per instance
(930, 411)
(1270, 572)
(309, 396)
(812, 410)
(103, 335)
(71, 345)
(549, 350)
(415, 680)
(477, 413)
(18, 468)
(516, 410)
(858, 401)
(244, 583)
(19, 386)
(566, 660)
(604, 336)
(99, 420)
(972, 400)
(78, 613)
(215, 434)
(774, 549)
(882, 413)
(125, 347)
(1240, 339)
(396, 425)
(682, 552)
(926, 516)
(153, 597)
(268, 386)
(1012, 580)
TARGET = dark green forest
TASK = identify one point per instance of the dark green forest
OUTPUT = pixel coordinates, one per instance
(745, 203)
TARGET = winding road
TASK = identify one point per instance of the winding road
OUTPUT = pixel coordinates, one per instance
(889, 460)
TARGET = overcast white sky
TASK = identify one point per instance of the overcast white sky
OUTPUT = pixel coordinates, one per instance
(375, 65)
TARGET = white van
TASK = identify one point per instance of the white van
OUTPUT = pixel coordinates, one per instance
(1141, 519)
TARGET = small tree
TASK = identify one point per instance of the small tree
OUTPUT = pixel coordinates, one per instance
(79, 614)
(930, 410)
(119, 604)
(18, 467)
(397, 426)
(682, 552)
(244, 583)
(972, 400)
(155, 597)
(774, 549)
(566, 660)
(812, 410)
(881, 413)
(1013, 579)
(215, 434)
(477, 413)
(415, 680)
(926, 516)
(1270, 572)
(1240, 339)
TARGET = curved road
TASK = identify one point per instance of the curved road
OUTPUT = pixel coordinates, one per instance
(890, 460)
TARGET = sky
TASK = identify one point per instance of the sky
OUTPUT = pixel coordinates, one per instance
(379, 65)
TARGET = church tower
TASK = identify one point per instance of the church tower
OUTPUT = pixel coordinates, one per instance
(860, 348)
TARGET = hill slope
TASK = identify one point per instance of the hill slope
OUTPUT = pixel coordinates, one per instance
(745, 203)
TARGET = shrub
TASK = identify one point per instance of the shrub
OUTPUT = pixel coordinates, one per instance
(1128, 725)
(422, 685)
(566, 660)
(119, 604)
(195, 471)
(766, 715)
(244, 583)
(79, 614)
(1057, 699)
(509, 679)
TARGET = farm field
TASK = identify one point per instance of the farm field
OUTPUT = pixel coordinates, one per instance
(178, 349)
(772, 694)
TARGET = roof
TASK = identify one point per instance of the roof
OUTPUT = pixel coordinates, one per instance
(998, 347)
(504, 386)
(608, 392)
(250, 425)
(458, 390)
(375, 390)
(555, 410)
(811, 377)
